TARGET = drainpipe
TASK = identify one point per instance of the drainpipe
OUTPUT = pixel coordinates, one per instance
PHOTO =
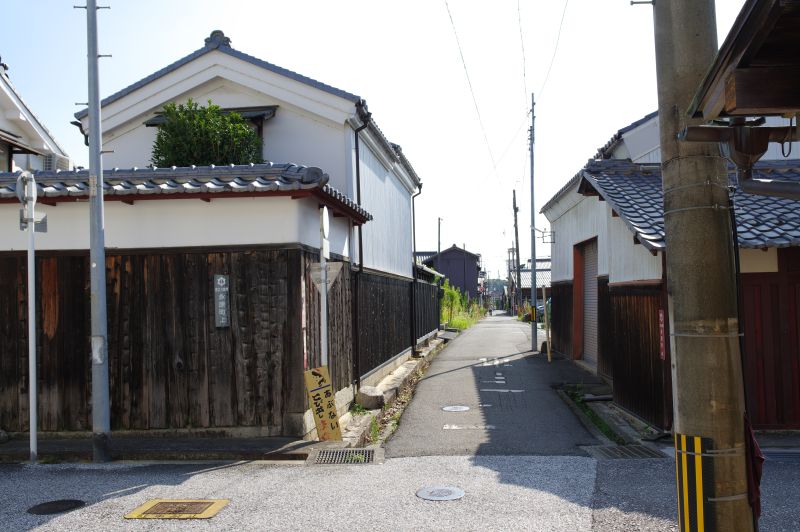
(414, 335)
(365, 116)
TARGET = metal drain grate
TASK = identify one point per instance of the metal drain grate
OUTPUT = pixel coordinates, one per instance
(622, 452)
(346, 456)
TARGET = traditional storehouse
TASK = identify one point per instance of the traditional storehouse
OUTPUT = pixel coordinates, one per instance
(609, 287)
(170, 233)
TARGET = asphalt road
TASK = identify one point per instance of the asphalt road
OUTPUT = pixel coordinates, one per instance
(513, 408)
(524, 474)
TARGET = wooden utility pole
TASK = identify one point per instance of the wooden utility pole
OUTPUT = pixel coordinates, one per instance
(707, 382)
(516, 247)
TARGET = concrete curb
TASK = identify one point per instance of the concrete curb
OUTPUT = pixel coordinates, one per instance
(356, 432)
(584, 419)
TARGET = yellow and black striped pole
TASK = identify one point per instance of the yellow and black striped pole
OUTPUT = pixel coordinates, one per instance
(694, 479)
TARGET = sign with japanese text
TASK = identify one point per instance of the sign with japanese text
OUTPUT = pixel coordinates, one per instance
(222, 312)
(322, 402)
(662, 335)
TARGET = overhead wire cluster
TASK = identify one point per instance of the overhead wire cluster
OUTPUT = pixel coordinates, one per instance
(513, 140)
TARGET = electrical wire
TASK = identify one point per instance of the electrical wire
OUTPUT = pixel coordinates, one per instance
(522, 45)
(555, 50)
(471, 90)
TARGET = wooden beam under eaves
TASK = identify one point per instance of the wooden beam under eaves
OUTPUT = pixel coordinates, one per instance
(746, 92)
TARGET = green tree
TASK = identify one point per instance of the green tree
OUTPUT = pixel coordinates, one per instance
(193, 134)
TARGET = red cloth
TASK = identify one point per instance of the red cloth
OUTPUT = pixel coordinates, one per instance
(755, 465)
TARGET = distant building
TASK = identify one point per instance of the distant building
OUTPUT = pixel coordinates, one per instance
(461, 267)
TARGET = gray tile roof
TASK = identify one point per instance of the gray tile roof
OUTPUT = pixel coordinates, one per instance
(218, 41)
(186, 182)
(634, 192)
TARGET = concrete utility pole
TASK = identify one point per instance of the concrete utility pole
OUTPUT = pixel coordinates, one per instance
(439, 246)
(534, 327)
(707, 382)
(101, 418)
(516, 250)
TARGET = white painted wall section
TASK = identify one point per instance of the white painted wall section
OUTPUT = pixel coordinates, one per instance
(758, 260)
(583, 221)
(387, 238)
(178, 223)
(628, 262)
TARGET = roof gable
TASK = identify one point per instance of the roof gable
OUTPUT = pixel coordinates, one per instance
(17, 111)
(218, 41)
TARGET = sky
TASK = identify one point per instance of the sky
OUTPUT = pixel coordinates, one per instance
(450, 82)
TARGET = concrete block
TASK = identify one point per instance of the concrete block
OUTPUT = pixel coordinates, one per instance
(370, 397)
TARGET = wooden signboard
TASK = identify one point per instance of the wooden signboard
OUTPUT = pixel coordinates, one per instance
(322, 402)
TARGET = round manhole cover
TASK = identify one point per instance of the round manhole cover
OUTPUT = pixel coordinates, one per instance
(455, 408)
(440, 493)
(56, 507)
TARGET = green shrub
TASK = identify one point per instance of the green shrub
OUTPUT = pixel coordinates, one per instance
(193, 134)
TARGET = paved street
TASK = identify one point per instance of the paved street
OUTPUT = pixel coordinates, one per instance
(526, 473)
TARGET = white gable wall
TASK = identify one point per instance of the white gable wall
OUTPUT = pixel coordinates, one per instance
(292, 135)
(583, 221)
(628, 262)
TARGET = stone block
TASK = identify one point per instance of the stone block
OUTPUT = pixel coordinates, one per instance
(370, 397)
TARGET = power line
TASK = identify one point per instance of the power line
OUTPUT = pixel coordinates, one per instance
(471, 90)
(522, 45)
(555, 50)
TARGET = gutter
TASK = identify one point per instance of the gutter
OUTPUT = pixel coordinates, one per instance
(365, 116)
(414, 272)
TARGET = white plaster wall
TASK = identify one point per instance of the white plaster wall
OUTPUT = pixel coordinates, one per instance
(291, 136)
(387, 238)
(583, 221)
(177, 223)
(758, 261)
(628, 262)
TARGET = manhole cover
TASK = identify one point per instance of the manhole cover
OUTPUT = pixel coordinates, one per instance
(178, 509)
(56, 507)
(622, 452)
(346, 456)
(440, 493)
(455, 408)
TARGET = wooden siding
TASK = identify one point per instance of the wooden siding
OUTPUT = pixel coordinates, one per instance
(605, 349)
(770, 315)
(170, 367)
(642, 381)
(562, 318)
(427, 311)
(384, 319)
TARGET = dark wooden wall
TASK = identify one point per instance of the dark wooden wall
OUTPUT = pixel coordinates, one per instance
(642, 380)
(384, 319)
(427, 308)
(562, 318)
(770, 315)
(605, 349)
(170, 367)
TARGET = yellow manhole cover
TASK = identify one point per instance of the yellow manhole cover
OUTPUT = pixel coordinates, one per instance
(178, 509)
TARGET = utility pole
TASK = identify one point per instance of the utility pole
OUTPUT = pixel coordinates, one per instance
(534, 326)
(101, 418)
(516, 245)
(707, 387)
(439, 246)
